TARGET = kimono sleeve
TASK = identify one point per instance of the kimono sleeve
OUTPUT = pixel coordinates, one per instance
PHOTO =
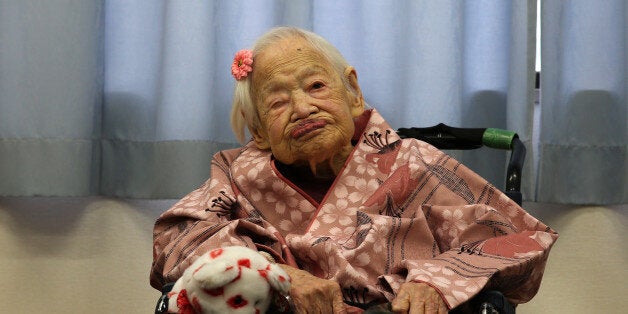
(481, 238)
(207, 218)
(484, 248)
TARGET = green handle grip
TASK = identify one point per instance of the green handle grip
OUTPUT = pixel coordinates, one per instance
(498, 138)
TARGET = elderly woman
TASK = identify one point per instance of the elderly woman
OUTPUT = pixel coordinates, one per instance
(356, 216)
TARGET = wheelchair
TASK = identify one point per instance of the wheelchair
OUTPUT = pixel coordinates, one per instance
(446, 137)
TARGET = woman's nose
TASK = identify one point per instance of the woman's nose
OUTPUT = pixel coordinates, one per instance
(302, 107)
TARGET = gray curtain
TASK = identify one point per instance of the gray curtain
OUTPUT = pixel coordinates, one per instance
(584, 90)
(51, 76)
(131, 98)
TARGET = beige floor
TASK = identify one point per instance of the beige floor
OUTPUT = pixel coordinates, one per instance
(92, 255)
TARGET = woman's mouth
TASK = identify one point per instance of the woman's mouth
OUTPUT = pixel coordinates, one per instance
(307, 126)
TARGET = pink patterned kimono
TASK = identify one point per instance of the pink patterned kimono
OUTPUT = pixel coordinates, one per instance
(400, 210)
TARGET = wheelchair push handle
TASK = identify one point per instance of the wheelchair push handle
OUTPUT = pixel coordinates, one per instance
(446, 137)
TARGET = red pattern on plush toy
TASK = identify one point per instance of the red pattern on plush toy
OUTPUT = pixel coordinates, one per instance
(215, 292)
(237, 302)
(215, 253)
(183, 303)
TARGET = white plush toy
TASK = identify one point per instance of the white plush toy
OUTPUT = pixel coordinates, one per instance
(228, 280)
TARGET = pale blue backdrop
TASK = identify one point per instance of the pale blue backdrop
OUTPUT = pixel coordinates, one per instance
(131, 98)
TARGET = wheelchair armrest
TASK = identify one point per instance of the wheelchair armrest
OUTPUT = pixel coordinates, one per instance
(514, 170)
(446, 137)
(492, 301)
(162, 303)
(486, 302)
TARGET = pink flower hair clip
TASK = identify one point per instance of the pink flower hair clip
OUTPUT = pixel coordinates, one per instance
(242, 64)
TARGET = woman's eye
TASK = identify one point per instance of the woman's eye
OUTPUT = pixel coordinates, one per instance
(277, 104)
(318, 85)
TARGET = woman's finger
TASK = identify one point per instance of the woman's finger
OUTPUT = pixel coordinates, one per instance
(401, 304)
(418, 307)
(338, 305)
(442, 309)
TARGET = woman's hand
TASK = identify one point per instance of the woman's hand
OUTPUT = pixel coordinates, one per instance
(418, 298)
(311, 294)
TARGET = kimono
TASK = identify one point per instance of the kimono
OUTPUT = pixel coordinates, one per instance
(400, 210)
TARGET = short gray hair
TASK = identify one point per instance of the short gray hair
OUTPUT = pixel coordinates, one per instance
(243, 110)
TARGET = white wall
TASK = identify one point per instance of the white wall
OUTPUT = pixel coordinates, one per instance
(84, 255)
(92, 255)
(587, 270)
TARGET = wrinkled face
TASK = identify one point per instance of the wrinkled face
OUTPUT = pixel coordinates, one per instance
(305, 110)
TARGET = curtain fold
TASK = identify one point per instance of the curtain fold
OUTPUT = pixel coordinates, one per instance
(159, 96)
(584, 115)
(50, 97)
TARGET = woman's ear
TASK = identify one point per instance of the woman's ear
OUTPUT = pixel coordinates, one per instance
(260, 137)
(357, 105)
